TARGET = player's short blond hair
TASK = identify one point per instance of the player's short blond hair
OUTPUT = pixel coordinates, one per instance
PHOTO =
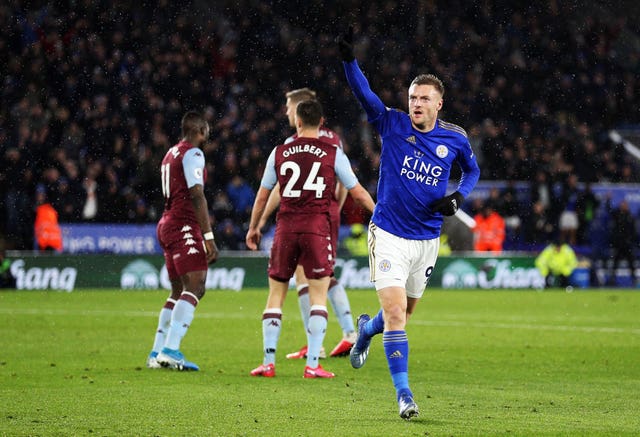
(301, 94)
(429, 79)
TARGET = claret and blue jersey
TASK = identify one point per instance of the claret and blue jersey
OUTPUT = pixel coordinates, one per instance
(414, 165)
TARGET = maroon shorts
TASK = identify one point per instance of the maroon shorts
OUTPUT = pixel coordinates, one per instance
(183, 248)
(312, 251)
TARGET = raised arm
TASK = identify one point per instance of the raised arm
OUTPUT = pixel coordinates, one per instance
(359, 84)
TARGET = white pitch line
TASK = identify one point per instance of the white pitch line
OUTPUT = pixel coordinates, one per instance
(129, 313)
(241, 315)
(530, 326)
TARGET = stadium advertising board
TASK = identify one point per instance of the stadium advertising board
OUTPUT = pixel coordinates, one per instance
(66, 273)
(110, 238)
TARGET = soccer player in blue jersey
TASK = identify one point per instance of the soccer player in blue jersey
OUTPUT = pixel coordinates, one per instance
(418, 151)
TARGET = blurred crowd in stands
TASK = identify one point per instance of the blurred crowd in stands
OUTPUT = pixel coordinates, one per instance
(93, 93)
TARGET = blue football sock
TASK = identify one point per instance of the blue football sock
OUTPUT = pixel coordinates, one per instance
(396, 348)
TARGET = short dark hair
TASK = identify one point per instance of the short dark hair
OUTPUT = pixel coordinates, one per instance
(429, 79)
(309, 112)
(193, 123)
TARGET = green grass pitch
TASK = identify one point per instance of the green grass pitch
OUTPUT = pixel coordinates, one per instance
(482, 363)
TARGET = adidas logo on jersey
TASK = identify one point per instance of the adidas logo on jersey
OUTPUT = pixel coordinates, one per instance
(192, 251)
(412, 139)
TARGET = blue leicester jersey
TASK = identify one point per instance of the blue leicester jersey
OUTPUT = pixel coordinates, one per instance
(414, 165)
(414, 170)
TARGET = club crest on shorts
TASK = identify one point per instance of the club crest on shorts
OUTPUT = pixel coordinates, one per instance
(384, 265)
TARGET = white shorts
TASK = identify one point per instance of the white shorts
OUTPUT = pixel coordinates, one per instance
(399, 262)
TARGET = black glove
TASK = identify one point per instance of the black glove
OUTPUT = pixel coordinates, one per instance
(448, 205)
(345, 45)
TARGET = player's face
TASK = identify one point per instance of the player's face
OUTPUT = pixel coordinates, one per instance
(424, 103)
(291, 112)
